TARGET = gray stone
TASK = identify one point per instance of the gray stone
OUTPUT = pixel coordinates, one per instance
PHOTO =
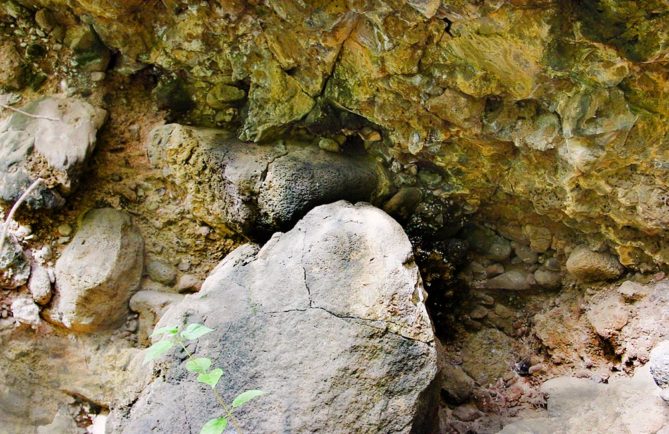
(40, 285)
(54, 147)
(188, 283)
(659, 364)
(548, 279)
(513, 280)
(588, 266)
(98, 272)
(161, 272)
(456, 385)
(525, 253)
(326, 319)
(257, 189)
(404, 202)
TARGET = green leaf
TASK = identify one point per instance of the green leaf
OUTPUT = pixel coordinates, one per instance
(211, 378)
(194, 331)
(214, 426)
(199, 365)
(245, 397)
(165, 331)
(158, 349)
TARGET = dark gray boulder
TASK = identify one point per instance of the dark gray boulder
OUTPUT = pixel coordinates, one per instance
(327, 319)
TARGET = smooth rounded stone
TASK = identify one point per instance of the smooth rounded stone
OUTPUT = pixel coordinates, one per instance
(25, 311)
(344, 268)
(456, 385)
(65, 230)
(258, 190)
(328, 145)
(98, 272)
(525, 253)
(40, 285)
(188, 283)
(151, 305)
(548, 279)
(552, 264)
(512, 280)
(161, 272)
(659, 364)
(499, 251)
(589, 266)
(479, 312)
(55, 147)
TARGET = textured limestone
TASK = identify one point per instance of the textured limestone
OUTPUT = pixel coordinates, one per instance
(544, 108)
(98, 272)
(343, 267)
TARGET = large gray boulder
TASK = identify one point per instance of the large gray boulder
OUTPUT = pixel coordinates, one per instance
(53, 144)
(98, 272)
(252, 189)
(327, 319)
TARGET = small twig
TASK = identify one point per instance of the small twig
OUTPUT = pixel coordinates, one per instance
(25, 113)
(16, 206)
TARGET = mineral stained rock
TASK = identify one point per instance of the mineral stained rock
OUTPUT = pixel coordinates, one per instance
(554, 107)
(98, 272)
(344, 268)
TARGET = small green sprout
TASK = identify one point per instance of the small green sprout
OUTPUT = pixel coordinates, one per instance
(174, 336)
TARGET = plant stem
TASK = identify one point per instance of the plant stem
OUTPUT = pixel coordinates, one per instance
(25, 113)
(218, 397)
(16, 206)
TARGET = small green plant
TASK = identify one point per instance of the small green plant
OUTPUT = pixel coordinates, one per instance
(174, 336)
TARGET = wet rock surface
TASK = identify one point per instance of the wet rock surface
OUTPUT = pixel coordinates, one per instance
(279, 305)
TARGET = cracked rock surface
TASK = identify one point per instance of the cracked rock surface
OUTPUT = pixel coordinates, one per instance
(326, 318)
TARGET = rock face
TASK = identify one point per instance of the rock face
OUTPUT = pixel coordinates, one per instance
(54, 146)
(576, 405)
(326, 318)
(589, 266)
(98, 272)
(256, 190)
